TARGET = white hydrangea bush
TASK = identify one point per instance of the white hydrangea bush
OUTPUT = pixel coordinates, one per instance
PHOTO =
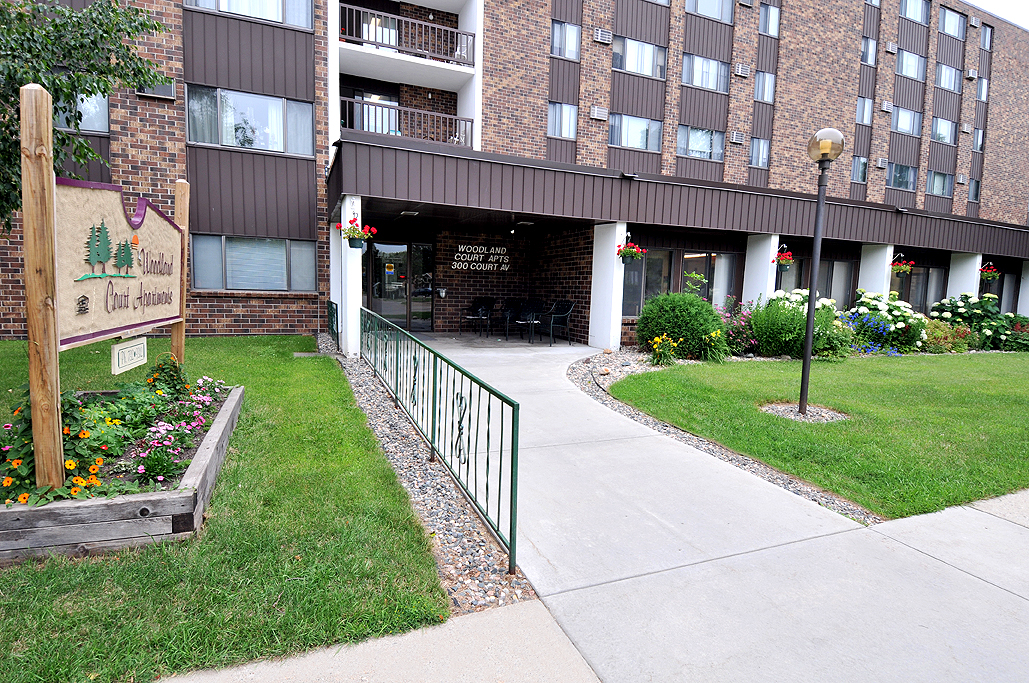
(885, 323)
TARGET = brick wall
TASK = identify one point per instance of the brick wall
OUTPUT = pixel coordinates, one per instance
(673, 87)
(515, 49)
(428, 15)
(12, 285)
(565, 271)
(741, 96)
(428, 99)
(220, 313)
(629, 331)
(594, 83)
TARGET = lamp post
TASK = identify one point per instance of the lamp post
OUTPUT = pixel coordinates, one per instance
(823, 147)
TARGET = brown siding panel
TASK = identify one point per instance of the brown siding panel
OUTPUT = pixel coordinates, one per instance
(700, 169)
(950, 51)
(943, 158)
(767, 53)
(568, 11)
(559, 149)
(762, 124)
(870, 25)
(227, 52)
(862, 140)
(937, 204)
(900, 198)
(985, 62)
(980, 115)
(976, 169)
(866, 82)
(908, 93)
(703, 108)
(637, 95)
(973, 210)
(947, 104)
(633, 160)
(564, 81)
(642, 20)
(858, 191)
(904, 149)
(707, 38)
(913, 37)
(240, 193)
(757, 177)
(94, 171)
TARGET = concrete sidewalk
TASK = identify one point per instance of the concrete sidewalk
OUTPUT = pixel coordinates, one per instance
(665, 564)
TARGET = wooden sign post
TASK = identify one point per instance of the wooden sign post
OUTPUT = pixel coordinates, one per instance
(37, 200)
(178, 330)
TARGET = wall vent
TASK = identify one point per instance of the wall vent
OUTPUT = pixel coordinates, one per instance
(603, 35)
(882, 162)
(891, 48)
(972, 74)
(966, 127)
(887, 106)
(962, 179)
(737, 137)
(975, 21)
(742, 70)
(598, 113)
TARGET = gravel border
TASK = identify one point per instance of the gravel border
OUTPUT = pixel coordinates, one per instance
(815, 414)
(588, 374)
(472, 566)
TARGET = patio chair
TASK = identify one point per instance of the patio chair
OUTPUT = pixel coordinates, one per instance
(508, 312)
(480, 312)
(558, 316)
(528, 317)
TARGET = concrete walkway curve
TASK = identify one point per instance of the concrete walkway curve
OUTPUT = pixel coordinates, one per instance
(662, 563)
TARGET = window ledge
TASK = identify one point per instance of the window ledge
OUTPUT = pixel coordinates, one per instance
(903, 189)
(700, 87)
(635, 149)
(693, 158)
(704, 16)
(558, 137)
(633, 73)
(243, 17)
(566, 59)
(250, 150)
(251, 294)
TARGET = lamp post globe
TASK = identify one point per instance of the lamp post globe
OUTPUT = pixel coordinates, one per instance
(823, 147)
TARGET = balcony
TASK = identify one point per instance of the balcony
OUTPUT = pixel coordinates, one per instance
(406, 36)
(390, 119)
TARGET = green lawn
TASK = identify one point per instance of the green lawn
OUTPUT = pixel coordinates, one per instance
(311, 539)
(925, 431)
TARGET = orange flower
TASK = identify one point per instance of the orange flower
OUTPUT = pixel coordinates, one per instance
(70, 464)
(78, 480)
(84, 434)
(99, 461)
(16, 463)
(16, 412)
(92, 481)
(8, 481)
(150, 381)
(67, 430)
(94, 469)
(23, 498)
(75, 490)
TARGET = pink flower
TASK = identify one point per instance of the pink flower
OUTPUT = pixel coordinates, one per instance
(159, 478)
(141, 469)
(8, 426)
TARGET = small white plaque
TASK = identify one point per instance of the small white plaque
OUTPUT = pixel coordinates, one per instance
(127, 355)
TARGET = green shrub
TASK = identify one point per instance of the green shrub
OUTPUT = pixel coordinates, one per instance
(982, 315)
(781, 325)
(944, 338)
(1018, 338)
(686, 316)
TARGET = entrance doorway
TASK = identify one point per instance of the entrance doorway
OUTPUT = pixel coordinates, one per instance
(398, 283)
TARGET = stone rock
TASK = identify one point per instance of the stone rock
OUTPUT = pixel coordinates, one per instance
(749, 355)
(608, 351)
(605, 371)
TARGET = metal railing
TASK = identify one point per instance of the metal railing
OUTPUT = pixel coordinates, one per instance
(470, 426)
(390, 119)
(410, 36)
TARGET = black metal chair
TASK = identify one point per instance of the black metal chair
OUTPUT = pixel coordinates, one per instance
(508, 312)
(558, 316)
(529, 316)
(480, 312)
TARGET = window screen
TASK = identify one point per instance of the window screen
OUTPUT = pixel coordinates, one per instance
(303, 274)
(202, 104)
(258, 264)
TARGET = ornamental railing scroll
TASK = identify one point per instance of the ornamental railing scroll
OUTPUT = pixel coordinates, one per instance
(470, 427)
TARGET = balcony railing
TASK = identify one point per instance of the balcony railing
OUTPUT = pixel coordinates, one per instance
(410, 36)
(389, 119)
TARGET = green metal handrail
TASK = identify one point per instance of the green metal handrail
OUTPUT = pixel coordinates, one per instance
(470, 426)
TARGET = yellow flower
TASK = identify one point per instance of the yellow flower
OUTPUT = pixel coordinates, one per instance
(160, 393)
(75, 490)
(117, 422)
(8, 481)
(78, 480)
(23, 498)
(69, 464)
(107, 420)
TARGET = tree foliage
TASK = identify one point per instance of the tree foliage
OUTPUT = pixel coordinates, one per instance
(73, 54)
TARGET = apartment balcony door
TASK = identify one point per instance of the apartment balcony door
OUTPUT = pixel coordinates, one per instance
(399, 283)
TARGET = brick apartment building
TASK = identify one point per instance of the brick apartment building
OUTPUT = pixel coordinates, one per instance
(536, 135)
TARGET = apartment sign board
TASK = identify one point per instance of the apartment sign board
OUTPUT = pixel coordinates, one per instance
(116, 275)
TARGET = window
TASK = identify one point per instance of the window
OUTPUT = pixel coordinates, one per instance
(978, 139)
(764, 87)
(705, 73)
(637, 57)
(292, 12)
(874, 3)
(768, 23)
(759, 152)
(236, 119)
(911, 65)
(945, 131)
(983, 90)
(952, 23)
(948, 78)
(95, 115)
(836, 281)
(634, 132)
(974, 187)
(859, 170)
(941, 184)
(915, 10)
(700, 143)
(253, 264)
(716, 9)
(901, 177)
(906, 121)
(864, 111)
(986, 38)
(564, 40)
(561, 120)
(868, 47)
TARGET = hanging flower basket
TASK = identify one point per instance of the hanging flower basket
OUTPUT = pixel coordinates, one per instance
(989, 273)
(901, 268)
(630, 252)
(783, 259)
(354, 233)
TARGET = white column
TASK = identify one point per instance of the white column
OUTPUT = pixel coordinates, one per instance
(333, 104)
(350, 278)
(758, 269)
(874, 272)
(336, 247)
(964, 274)
(469, 98)
(1023, 291)
(606, 288)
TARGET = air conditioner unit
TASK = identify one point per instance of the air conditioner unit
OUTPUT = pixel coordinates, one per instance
(966, 127)
(747, 3)
(887, 106)
(742, 70)
(962, 179)
(975, 21)
(881, 162)
(598, 113)
(737, 137)
(603, 35)
(972, 74)
(891, 48)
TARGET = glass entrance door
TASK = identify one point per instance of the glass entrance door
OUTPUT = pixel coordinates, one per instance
(422, 262)
(400, 283)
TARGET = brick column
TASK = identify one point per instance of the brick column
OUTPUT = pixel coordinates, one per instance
(673, 87)
(881, 120)
(741, 94)
(927, 107)
(594, 83)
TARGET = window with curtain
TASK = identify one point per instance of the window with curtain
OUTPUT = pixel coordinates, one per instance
(700, 143)
(290, 12)
(634, 132)
(759, 150)
(764, 87)
(768, 20)
(986, 37)
(702, 72)
(859, 170)
(638, 57)
(868, 48)
(948, 78)
(911, 65)
(915, 10)
(952, 23)
(945, 131)
(247, 263)
(864, 111)
(906, 121)
(715, 9)
(978, 139)
(901, 177)
(564, 40)
(983, 89)
(217, 116)
(561, 120)
(940, 184)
